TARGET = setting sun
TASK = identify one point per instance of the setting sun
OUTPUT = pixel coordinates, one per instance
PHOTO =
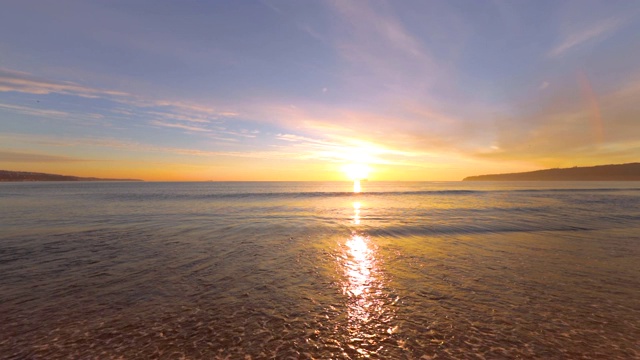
(357, 171)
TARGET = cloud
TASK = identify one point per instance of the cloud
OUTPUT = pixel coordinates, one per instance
(384, 57)
(196, 111)
(174, 114)
(34, 111)
(585, 35)
(19, 157)
(11, 80)
(178, 126)
(54, 142)
(17, 81)
(78, 118)
(408, 126)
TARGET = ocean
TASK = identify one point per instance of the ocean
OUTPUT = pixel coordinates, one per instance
(304, 270)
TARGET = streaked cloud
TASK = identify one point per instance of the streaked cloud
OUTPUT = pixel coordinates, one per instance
(11, 80)
(592, 33)
(383, 55)
(34, 111)
(178, 126)
(18, 157)
(22, 82)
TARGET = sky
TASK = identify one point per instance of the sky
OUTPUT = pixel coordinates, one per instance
(307, 90)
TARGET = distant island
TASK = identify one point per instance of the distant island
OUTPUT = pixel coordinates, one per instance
(6, 175)
(619, 172)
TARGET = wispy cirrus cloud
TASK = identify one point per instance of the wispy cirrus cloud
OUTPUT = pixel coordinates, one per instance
(411, 128)
(334, 125)
(179, 115)
(78, 117)
(188, 111)
(11, 80)
(178, 126)
(22, 157)
(34, 111)
(56, 144)
(592, 33)
(23, 82)
(385, 57)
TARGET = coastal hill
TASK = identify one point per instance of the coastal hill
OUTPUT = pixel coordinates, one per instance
(619, 172)
(6, 175)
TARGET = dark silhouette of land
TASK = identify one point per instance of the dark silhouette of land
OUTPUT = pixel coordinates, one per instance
(6, 175)
(619, 172)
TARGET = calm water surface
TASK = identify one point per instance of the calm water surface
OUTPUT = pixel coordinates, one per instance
(312, 270)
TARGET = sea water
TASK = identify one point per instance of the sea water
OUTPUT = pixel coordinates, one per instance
(313, 270)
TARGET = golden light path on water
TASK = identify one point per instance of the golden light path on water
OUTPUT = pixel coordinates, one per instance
(356, 186)
(368, 307)
(356, 212)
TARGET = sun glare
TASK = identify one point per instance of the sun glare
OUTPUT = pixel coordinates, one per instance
(356, 171)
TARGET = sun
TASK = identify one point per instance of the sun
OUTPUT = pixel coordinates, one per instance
(357, 171)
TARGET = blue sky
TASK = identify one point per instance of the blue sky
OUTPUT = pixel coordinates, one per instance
(279, 90)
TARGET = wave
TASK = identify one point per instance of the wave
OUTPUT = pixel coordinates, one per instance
(339, 194)
(284, 195)
(421, 230)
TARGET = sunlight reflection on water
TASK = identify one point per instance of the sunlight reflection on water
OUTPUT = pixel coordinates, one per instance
(368, 316)
(356, 186)
(356, 213)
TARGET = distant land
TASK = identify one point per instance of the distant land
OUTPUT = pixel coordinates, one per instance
(6, 175)
(618, 172)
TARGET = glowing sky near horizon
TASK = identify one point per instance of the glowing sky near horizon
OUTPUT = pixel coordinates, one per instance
(297, 90)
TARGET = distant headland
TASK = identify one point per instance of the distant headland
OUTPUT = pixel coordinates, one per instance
(618, 172)
(6, 175)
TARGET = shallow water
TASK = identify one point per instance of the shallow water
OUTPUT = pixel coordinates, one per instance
(312, 270)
